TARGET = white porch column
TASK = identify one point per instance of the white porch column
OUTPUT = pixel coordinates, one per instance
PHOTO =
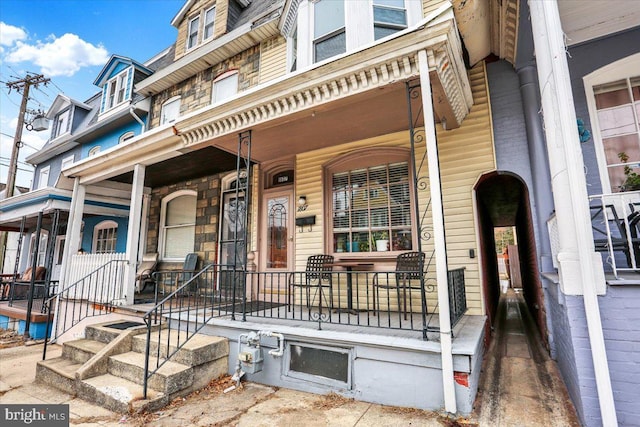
(438, 235)
(580, 267)
(74, 229)
(133, 231)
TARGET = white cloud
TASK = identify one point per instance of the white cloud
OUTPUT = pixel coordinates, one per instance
(10, 34)
(62, 56)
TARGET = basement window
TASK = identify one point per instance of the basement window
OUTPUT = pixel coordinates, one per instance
(319, 364)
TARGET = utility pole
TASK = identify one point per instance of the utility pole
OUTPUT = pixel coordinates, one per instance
(22, 85)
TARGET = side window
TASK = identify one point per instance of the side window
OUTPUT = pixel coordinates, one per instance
(62, 123)
(613, 98)
(209, 22)
(67, 161)
(42, 248)
(329, 33)
(43, 177)
(170, 110)
(105, 235)
(177, 225)
(225, 86)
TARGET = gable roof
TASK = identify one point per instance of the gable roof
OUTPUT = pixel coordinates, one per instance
(106, 72)
(61, 102)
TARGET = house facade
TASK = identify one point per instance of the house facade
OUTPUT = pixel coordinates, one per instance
(363, 130)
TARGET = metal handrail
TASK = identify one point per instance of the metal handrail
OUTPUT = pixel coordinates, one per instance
(165, 308)
(95, 310)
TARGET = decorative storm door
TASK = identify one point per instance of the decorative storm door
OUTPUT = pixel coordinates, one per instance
(277, 246)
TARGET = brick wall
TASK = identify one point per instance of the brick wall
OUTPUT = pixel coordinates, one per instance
(195, 92)
(207, 212)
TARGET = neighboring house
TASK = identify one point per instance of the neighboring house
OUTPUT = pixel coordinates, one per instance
(79, 130)
(278, 130)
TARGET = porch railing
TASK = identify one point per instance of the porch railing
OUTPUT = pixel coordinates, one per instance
(615, 222)
(362, 299)
(92, 295)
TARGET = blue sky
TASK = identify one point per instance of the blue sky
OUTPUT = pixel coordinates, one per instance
(69, 41)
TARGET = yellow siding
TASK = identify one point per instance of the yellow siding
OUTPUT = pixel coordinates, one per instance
(429, 6)
(465, 154)
(273, 58)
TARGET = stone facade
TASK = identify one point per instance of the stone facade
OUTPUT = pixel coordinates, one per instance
(196, 92)
(207, 213)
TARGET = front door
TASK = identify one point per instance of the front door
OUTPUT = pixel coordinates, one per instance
(277, 241)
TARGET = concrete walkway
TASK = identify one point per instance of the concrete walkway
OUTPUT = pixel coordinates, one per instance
(252, 406)
(521, 385)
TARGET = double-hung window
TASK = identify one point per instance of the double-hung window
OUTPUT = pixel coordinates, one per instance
(329, 35)
(389, 16)
(178, 222)
(116, 90)
(209, 21)
(192, 36)
(62, 123)
(371, 207)
(613, 97)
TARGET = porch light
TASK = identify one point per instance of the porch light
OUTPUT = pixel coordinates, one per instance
(302, 203)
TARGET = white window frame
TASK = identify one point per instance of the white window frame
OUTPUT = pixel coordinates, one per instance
(42, 249)
(104, 225)
(388, 25)
(190, 32)
(43, 175)
(94, 151)
(618, 70)
(225, 77)
(116, 89)
(126, 136)
(206, 24)
(63, 120)
(330, 34)
(171, 102)
(163, 227)
(67, 161)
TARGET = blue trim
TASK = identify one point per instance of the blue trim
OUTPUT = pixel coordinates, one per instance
(61, 198)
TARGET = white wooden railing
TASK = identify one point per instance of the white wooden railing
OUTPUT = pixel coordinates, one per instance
(95, 288)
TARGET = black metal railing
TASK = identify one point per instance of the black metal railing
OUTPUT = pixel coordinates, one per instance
(457, 295)
(91, 296)
(16, 293)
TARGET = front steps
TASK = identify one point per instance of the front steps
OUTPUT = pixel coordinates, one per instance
(107, 367)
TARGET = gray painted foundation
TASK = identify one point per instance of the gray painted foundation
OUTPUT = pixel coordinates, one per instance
(384, 369)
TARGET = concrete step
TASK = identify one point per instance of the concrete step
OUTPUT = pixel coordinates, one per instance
(58, 372)
(170, 378)
(107, 331)
(120, 395)
(82, 349)
(197, 350)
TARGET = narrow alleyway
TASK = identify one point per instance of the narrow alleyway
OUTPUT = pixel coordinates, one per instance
(520, 384)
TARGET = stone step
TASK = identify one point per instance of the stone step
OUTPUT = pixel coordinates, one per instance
(59, 372)
(120, 395)
(108, 331)
(197, 350)
(82, 349)
(170, 378)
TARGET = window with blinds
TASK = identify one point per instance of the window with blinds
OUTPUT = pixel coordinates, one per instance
(371, 209)
(178, 227)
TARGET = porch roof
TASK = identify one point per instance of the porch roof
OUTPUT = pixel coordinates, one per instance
(355, 96)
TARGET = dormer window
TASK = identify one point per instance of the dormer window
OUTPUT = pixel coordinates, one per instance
(329, 36)
(389, 16)
(209, 21)
(116, 90)
(194, 26)
(62, 123)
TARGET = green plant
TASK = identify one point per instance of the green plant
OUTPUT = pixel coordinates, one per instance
(381, 235)
(632, 179)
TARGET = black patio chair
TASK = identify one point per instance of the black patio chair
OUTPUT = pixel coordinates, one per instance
(317, 276)
(408, 277)
(618, 232)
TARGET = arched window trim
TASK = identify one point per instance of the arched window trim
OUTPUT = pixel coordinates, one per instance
(171, 100)
(126, 136)
(94, 151)
(163, 215)
(103, 225)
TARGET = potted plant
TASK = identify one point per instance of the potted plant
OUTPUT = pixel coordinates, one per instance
(382, 241)
(632, 179)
